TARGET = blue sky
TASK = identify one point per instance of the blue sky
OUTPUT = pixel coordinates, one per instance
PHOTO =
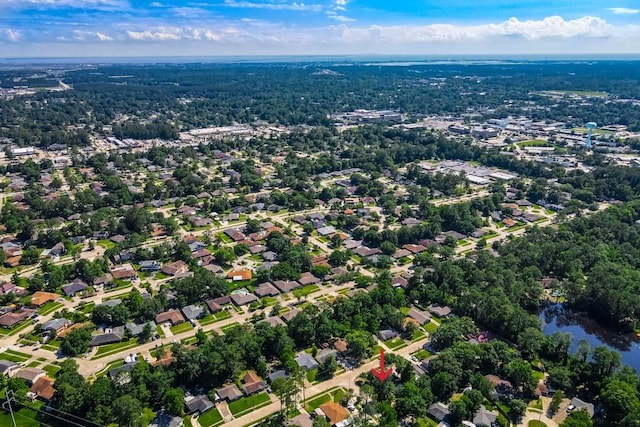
(262, 27)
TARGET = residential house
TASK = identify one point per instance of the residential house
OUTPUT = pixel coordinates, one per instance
(43, 388)
(326, 353)
(150, 265)
(124, 273)
(240, 275)
(274, 321)
(57, 250)
(136, 328)
(341, 346)
(192, 312)
(9, 320)
(252, 383)
(439, 412)
(175, 268)
(74, 287)
(579, 404)
(485, 418)
(198, 404)
(164, 419)
(439, 310)
(229, 393)
(39, 298)
(305, 360)
(30, 375)
(281, 373)
(302, 420)
(334, 412)
(8, 368)
(57, 325)
(172, 316)
(266, 289)
(502, 387)
(422, 317)
(399, 281)
(243, 299)
(108, 338)
(387, 334)
(290, 314)
(308, 279)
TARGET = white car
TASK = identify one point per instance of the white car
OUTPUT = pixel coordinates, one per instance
(570, 408)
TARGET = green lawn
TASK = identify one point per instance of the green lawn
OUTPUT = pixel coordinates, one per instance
(51, 370)
(232, 325)
(532, 143)
(306, 290)
(85, 308)
(404, 310)
(187, 422)
(536, 404)
(224, 238)
(313, 404)
(21, 326)
(107, 244)
(417, 334)
(224, 314)
(421, 354)
(430, 327)
(312, 374)
(183, 327)
(395, 343)
(49, 307)
(14, 356)
(536, 423)
(109, 349)
(210, 418)
(25, 417)
(160, 331)
(269, 301)
(247, 404)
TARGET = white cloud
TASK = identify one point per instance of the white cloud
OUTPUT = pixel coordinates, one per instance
(278, 5)
(76, 4)
(103, 37)
(331, 14)
(153, 35)
(623, 10)
(10, 35)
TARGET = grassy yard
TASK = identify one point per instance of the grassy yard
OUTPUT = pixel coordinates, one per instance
(535, 404)
(21, 327)
(85, 308)
(49, 307)
(160, 331)
(430, 327)
(269, 301)
(232, 325)
(306, 290)
(51, 370)
(417, 335)
(14, 356)
(421, 354)
(312, 405)
(109, 349)
(247, 404)
(224, 238)
(536, 423)
(395, 343)
(25, 417)
(183, 327)
(107, 244)
(312, 374)
(210, 418)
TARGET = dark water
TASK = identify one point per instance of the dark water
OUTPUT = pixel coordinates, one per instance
(555, 318)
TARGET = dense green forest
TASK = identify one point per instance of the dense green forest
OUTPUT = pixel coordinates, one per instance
(157, 101)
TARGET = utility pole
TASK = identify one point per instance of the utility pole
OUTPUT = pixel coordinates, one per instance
(10, 397)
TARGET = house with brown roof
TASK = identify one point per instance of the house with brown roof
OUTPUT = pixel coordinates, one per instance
(9, 320)
(422, 317)
(308, 279)
(252, 383)
(266, 290)
(124, 273)
(43, 388)
(341, 345)
(229, 393)
(172, 316)
(40, 298)
(175, 268)
(240, 275)
(334, 412)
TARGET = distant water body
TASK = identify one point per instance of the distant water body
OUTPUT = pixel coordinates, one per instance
(556, 318)
(372, 60)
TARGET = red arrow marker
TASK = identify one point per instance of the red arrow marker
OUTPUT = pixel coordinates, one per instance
(381, 373)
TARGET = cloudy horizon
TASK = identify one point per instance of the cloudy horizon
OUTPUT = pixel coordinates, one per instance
(104, 28)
